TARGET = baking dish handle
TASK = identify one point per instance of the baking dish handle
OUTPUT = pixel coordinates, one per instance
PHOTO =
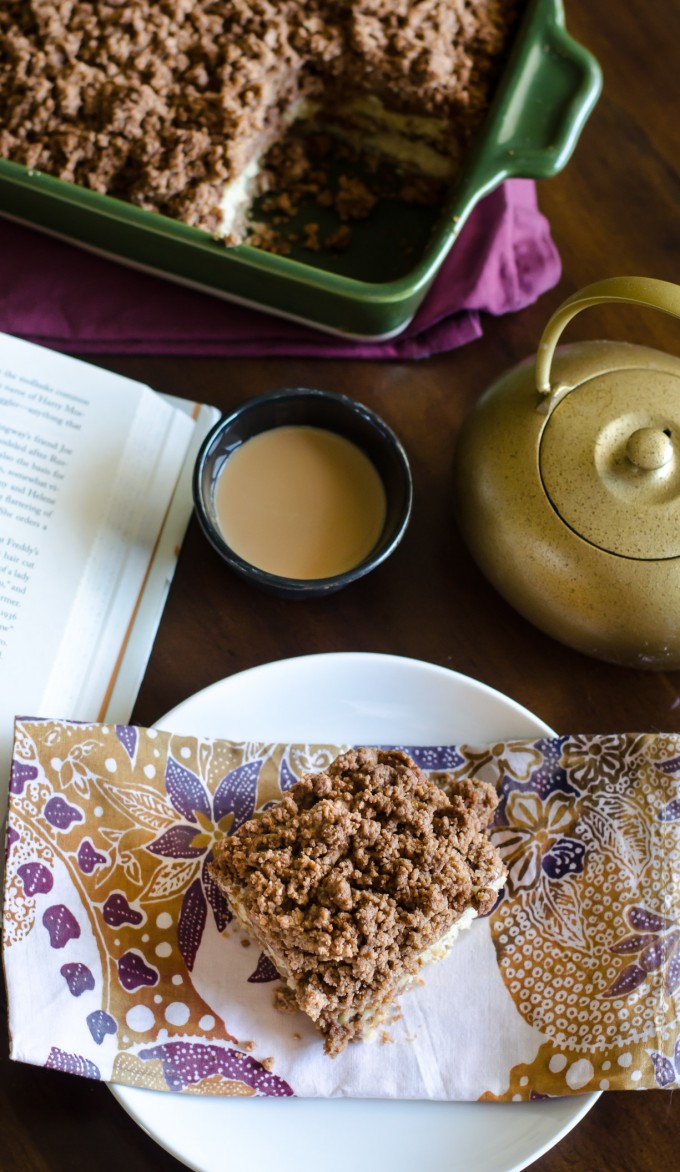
(540, 116)
(548, 91)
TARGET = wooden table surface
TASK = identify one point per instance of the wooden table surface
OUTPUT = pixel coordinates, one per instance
(613, 210)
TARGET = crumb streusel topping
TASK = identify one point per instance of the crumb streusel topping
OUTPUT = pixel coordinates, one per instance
(354, 874)
(163, 102)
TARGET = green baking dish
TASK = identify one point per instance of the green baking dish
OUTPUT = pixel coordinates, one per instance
(548, 88)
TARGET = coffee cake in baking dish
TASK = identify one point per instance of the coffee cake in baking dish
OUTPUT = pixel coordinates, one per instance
(172, 104)
(358, 877)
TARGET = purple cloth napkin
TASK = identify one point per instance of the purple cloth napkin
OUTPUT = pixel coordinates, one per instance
(60, 296)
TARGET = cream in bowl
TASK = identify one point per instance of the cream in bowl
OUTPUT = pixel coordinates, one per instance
(303, 491)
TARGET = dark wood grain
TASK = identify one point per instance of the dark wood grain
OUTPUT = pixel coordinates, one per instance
(613, 210)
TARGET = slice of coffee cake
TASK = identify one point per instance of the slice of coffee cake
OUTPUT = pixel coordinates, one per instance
(356, 878)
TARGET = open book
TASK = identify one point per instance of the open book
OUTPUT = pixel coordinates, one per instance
(95, 498)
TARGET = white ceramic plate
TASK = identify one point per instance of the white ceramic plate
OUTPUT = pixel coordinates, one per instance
(359, 698)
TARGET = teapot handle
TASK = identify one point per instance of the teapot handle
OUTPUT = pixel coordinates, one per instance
(647, 291)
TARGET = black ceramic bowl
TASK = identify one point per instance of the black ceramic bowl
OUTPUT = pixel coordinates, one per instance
(313, 408)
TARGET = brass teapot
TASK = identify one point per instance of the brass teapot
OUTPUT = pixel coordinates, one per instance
(568, 486)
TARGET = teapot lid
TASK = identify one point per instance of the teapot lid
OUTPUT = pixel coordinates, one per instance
(609, 454)
(610, 462)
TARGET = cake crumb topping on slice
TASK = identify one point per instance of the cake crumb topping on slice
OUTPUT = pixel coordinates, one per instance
(354, 875)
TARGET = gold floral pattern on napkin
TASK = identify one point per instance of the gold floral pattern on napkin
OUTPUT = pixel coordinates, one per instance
(588, 933)
(131, 816)
(125, 951)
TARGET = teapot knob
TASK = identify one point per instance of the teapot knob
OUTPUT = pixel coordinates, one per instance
(649, 448)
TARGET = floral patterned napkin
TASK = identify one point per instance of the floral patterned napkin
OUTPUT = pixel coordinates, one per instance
(123, 963)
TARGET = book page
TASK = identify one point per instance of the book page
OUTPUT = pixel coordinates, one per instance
(121, 696)
(88, 464)
(113, 576)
